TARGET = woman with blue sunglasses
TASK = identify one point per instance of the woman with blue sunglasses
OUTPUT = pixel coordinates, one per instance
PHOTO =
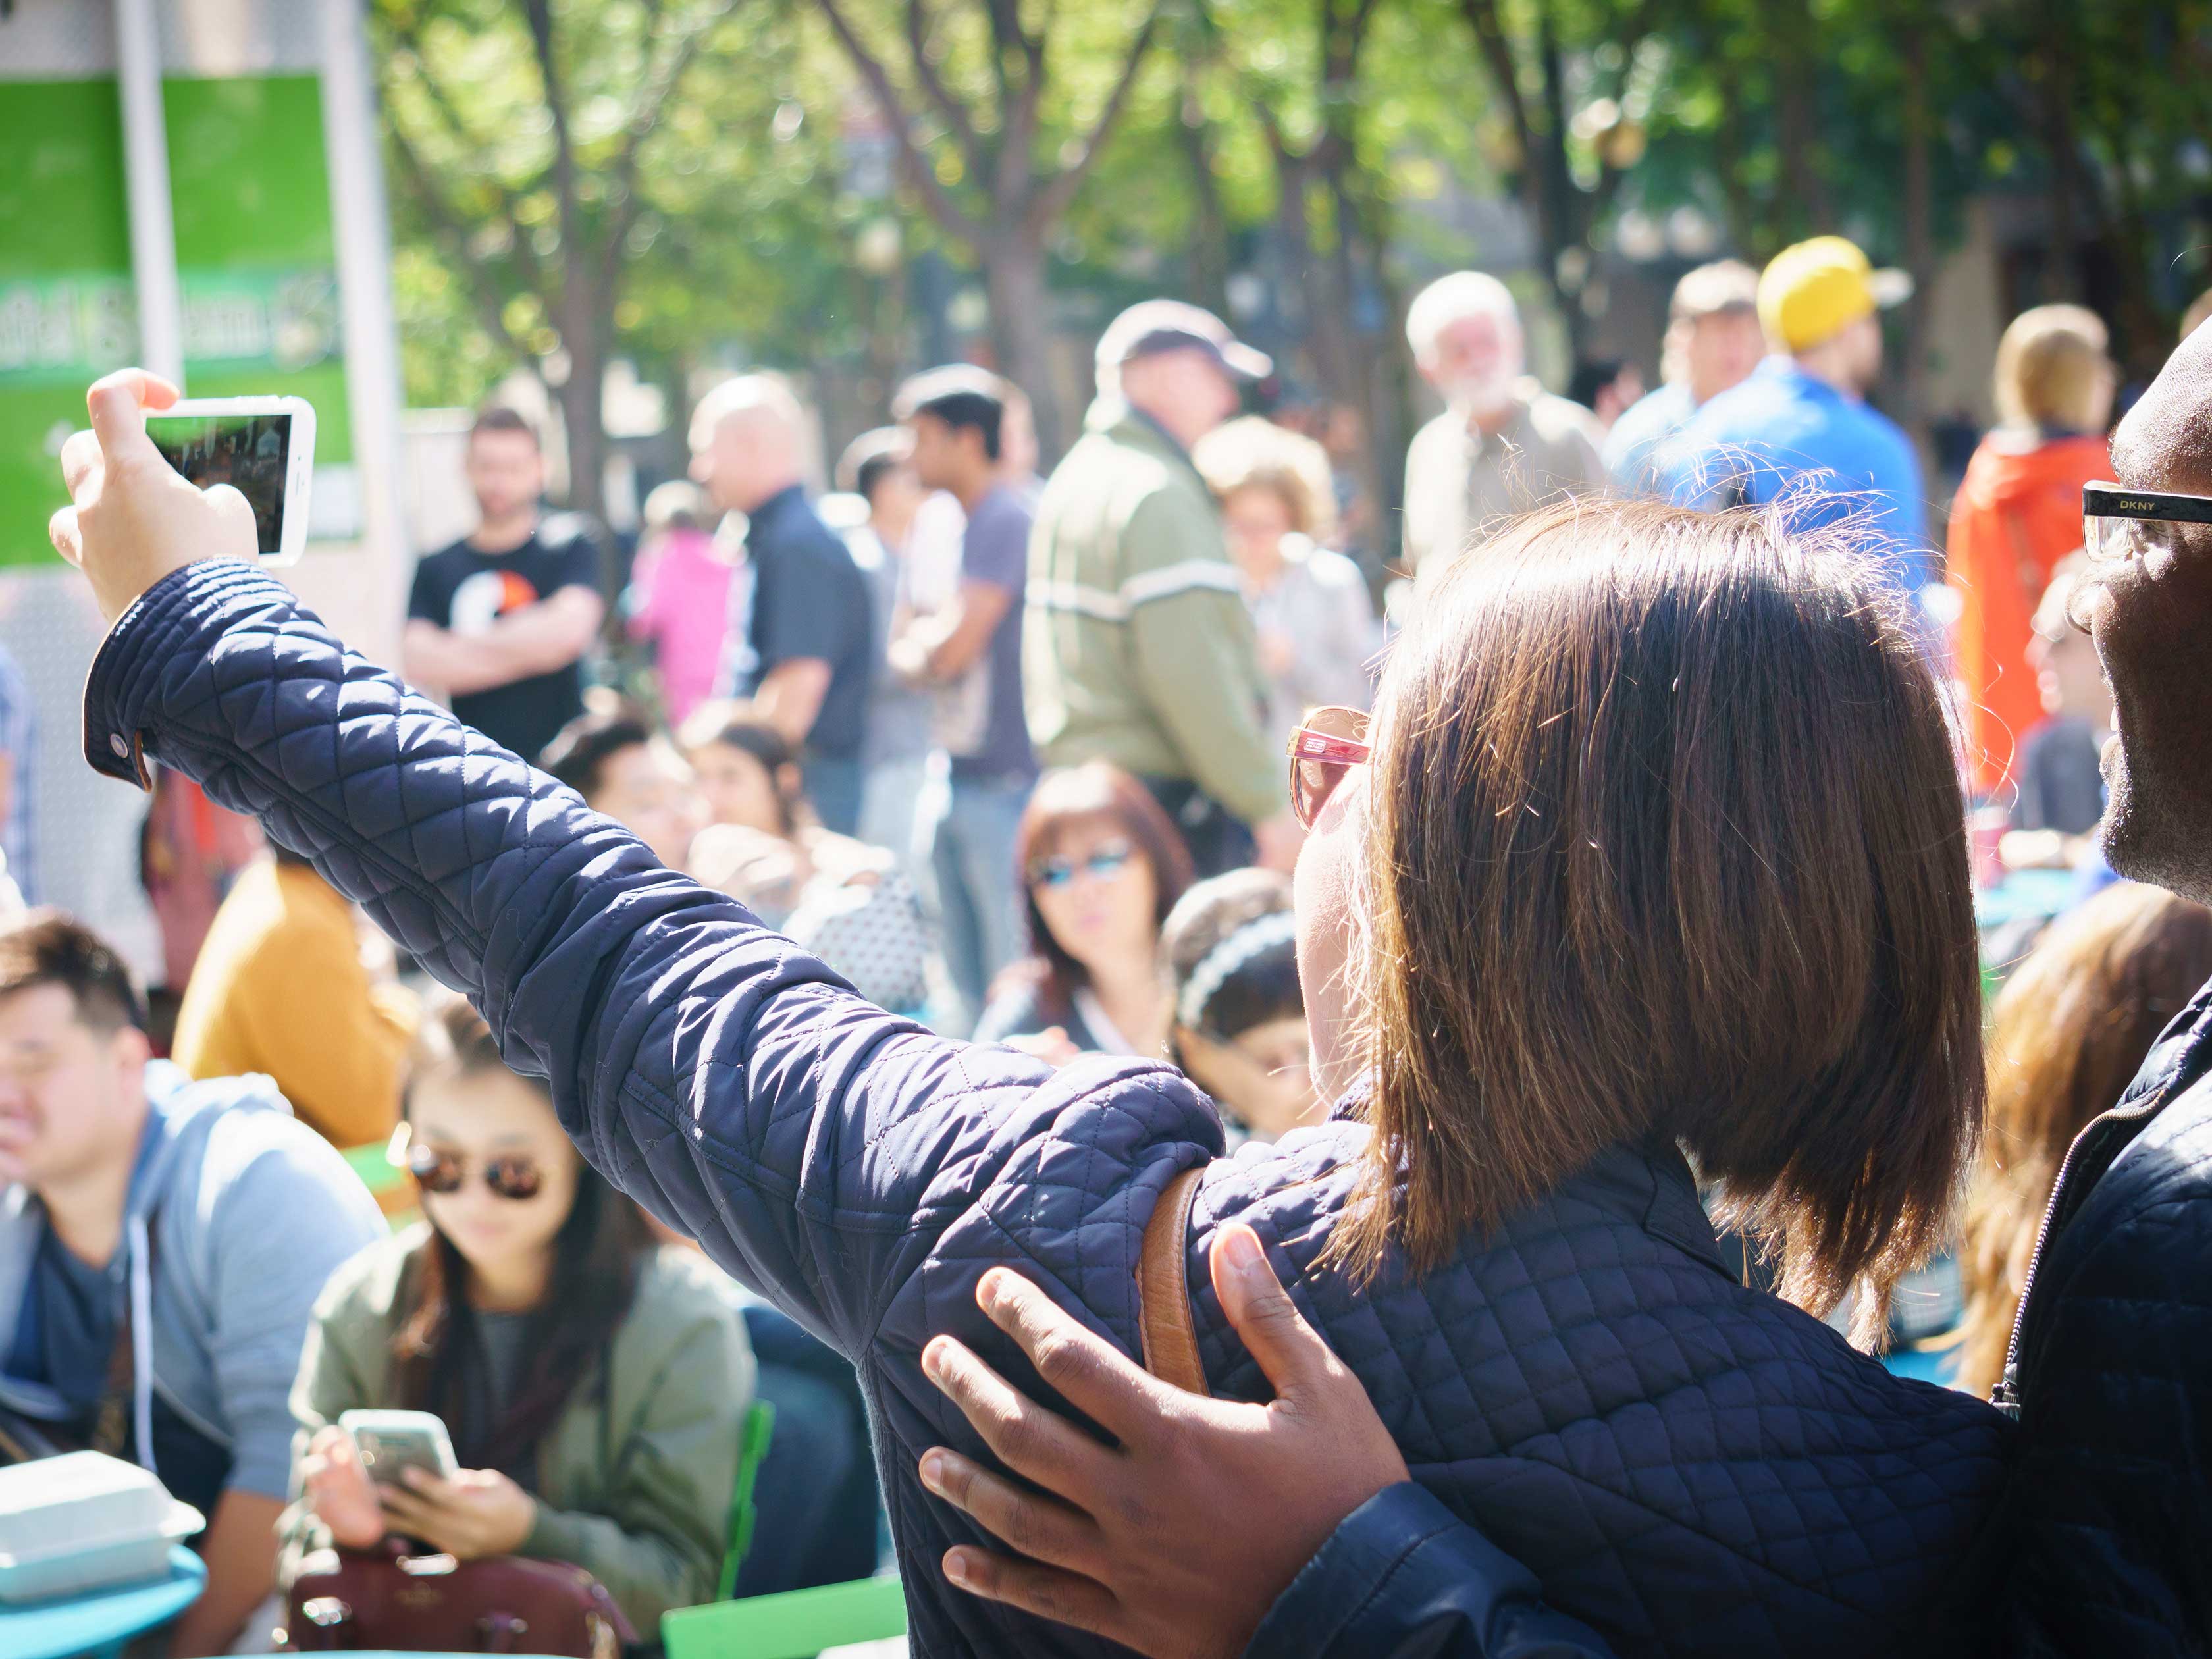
(1100, 865)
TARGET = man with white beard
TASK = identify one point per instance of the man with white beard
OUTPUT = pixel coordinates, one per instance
(1503, 444)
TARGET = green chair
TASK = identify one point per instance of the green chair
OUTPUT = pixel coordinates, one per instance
(373, 1165)
(752, 1447)
(793, 1625)
(391, 1186)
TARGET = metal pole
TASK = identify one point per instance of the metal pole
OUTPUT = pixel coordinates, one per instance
(363, 236)
(146, 169)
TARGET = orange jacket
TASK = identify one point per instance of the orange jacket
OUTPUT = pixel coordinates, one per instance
(2018, 513)
(280, 988)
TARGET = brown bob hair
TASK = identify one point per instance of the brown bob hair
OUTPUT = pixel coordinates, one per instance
(1094, 793)
(2070, 1028)
(1667, 843)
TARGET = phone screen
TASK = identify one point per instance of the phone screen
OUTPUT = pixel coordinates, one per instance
(252, 454)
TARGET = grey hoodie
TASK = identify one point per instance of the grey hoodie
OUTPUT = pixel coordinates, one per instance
(253, 1211)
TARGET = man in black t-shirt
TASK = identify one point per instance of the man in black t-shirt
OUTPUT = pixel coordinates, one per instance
(801, 643)
(498, 622)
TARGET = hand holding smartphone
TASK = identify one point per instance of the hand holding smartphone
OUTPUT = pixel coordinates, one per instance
(263, 448)
(392, 1443)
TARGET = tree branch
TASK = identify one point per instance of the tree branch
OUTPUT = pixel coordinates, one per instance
(539, 14)
(1020, 104)
(957, 123)
(949, 214)
(1482, 16)
(653, 102)
(1342, 40)
(464, 138)
(448, 227)
(1053, 200)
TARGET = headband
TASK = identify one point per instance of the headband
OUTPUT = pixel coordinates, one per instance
(1214, 968)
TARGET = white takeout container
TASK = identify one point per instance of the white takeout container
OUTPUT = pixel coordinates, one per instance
(84, 1522)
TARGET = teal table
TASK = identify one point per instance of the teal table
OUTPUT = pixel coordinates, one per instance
(100, 1623)
(1925, 1365)
(2024, 892)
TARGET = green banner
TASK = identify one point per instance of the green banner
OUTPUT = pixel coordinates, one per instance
(71, 329)
(256, 252)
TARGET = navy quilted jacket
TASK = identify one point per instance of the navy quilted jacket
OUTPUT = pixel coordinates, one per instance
(2106, 1540)
(1690, 1467)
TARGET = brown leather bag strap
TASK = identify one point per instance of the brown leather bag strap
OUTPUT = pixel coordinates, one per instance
(1163, 1321)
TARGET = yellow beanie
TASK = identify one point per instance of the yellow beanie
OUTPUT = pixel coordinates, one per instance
(1814, 289)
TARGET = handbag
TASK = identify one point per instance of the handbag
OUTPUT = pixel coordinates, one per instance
(388, 1599)
(1164, 1325)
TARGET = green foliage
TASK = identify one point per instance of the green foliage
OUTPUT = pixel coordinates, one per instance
(713, 203)
(737, 222)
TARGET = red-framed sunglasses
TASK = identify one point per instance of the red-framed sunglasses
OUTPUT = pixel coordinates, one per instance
(1330, 744)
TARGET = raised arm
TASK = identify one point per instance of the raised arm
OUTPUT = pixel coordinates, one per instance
(813, 1144)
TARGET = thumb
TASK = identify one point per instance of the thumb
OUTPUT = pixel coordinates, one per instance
(1288, 1349)
(118, 404)
(241, 532)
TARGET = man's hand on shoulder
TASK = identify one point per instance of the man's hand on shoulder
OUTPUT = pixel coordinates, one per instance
(1151, 1541)
(132, 518)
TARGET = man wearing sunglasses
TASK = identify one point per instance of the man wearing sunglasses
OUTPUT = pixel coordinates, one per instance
(162, 1243)
(2099, 1546)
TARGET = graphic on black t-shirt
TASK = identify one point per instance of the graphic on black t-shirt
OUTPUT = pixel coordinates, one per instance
(466, 590)
(482, 599)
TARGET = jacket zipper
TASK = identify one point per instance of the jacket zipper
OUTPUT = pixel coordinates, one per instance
(2006, 1395)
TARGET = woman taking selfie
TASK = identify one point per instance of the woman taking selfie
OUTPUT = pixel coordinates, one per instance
(592, 1382)
(1100, 866)
(1655, 841)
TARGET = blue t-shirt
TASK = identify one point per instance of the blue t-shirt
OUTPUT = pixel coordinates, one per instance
(1632, 448)
(1781, 427)
(799, 595)
(66, 1339)
(996, 550)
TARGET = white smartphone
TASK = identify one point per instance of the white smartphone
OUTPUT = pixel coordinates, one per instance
(263, 448)
(392, 1443)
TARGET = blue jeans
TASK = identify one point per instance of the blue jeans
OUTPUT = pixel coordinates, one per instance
(978, 889)
(890, 805)
(815, 1492)
(833, 784)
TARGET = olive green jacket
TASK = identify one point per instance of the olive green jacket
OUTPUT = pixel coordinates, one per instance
(634, 1484)
(1136, 646)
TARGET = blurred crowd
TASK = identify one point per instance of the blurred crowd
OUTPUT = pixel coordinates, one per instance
(1005, 748)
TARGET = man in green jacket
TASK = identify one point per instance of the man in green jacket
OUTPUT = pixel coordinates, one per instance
(1137, 647)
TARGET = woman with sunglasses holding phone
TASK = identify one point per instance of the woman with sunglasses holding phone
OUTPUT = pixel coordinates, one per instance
(593, 1382)
(1657, 842)
(1100, 866)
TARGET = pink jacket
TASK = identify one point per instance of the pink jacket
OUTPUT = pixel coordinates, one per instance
(680, 602)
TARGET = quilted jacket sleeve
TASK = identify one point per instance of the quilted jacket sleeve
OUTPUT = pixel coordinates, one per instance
(816, 1146)
(1404, 1578)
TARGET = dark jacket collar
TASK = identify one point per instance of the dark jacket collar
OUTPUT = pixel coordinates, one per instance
(1648, 1182)
(775, 506)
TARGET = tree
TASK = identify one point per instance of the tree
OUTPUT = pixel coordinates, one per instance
(1295, 69)
(991, 145)
(2125, 149)
(546, 162)
(1530, 54)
